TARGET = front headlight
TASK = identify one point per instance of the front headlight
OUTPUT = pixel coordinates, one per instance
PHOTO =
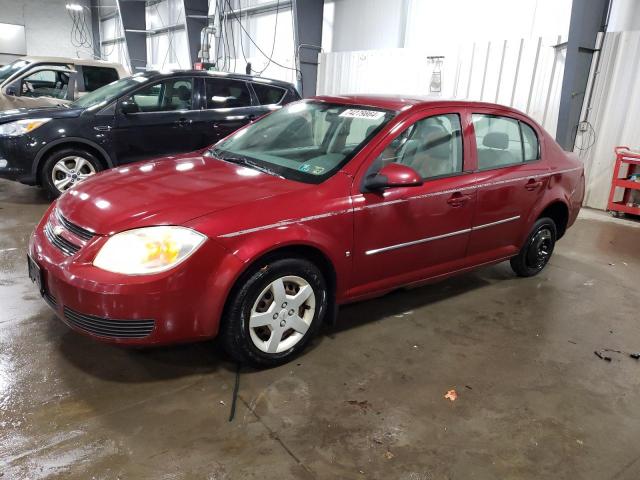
(20, 127)
(148, 250)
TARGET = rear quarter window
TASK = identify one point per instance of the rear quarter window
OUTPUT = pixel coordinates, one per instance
(268, 94)
(96, 77)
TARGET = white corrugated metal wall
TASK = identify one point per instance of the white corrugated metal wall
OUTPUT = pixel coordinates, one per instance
(526, 74)
(615, 113)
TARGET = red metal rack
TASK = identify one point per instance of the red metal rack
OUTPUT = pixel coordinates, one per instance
(625, 156)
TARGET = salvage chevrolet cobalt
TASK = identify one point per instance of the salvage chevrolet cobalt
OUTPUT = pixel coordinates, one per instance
(323, 202)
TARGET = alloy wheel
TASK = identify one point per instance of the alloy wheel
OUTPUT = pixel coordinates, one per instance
(282, 314)
(70, 170)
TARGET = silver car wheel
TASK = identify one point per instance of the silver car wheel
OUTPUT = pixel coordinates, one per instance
(70, 170)
(282, 314)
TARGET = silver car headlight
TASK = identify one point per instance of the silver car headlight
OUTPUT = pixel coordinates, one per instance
(148, 250)
(20, 127)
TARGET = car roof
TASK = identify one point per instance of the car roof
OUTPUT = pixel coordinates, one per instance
(77, 61)
(218, 74)
(402, 102)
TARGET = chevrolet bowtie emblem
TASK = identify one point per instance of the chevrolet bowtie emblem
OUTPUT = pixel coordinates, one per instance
(58, 230)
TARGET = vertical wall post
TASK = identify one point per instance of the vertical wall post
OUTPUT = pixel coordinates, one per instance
(307, 20)
(588, 17)
(195, 19)
(132, 16)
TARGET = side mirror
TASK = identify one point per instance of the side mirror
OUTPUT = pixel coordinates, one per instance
(393, 175)
(13, 89)
(129, 106)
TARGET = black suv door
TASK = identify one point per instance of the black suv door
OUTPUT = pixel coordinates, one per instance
(156, 120)
(227, 106)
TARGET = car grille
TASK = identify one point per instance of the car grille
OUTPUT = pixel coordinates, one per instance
(105, 327)
(78, 231)
(59, 241)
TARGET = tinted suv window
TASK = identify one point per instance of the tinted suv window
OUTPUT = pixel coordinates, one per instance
(167, 96)
(268, 94)
(224, 93)
(432, 147)
(96, 77)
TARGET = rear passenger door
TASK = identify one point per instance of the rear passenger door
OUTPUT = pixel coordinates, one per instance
(510, 178)
(226, 106)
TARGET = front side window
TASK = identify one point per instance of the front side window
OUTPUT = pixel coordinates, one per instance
(167, 96)
(224, 93)
(45, 83)
(304, 141)
(431, 146)
(96, 77)
(503, 141)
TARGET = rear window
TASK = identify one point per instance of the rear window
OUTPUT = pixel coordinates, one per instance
(268, 94)
(96, 77)
(224, 93)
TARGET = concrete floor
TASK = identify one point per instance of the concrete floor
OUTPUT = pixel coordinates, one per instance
(366, 401)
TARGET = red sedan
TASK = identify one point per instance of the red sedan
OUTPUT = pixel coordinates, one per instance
(323, 202)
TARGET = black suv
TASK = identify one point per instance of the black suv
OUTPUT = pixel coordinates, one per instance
(135, 118)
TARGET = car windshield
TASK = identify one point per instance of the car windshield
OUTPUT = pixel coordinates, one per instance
(104, 95)
(306, 141)
(7, 70)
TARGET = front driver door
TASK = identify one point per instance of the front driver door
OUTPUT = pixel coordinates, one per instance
(409, 233)
(156, 120)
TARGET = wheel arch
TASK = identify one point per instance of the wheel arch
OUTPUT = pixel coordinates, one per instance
(311, 252)
(69, 142)
(558, 211)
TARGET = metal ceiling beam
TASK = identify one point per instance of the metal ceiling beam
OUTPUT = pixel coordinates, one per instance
(134, 24)
(588, 17)
(307, 20)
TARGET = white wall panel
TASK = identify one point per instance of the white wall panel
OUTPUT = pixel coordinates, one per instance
(614, 115)
(530, 78)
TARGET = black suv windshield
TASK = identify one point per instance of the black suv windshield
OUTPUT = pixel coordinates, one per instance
(305, 141)
(8, 70)
(104, 95)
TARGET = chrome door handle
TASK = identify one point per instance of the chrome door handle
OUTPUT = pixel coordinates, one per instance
(458, 199)
(183, 122)
(532, 184)
(102, 128)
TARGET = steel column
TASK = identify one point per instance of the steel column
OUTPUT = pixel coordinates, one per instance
(195, 14)
(588, 17)
(307, 20)
(132, 16)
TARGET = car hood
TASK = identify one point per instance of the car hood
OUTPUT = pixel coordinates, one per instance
(168, 191)
(11, 111)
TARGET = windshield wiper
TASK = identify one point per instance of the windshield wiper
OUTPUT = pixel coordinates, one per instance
(245, 162)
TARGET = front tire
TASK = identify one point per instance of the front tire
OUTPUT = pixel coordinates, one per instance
(66, 167)
(274, 312)
(537, 250)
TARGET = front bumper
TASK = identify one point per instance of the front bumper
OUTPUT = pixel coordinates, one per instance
(180, 305)
(16, 158)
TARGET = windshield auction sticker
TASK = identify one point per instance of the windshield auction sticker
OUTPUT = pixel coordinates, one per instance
(357, 113)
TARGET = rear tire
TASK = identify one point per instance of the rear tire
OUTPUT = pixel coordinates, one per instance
(274, 311)
(67, 167)
(537, 250)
